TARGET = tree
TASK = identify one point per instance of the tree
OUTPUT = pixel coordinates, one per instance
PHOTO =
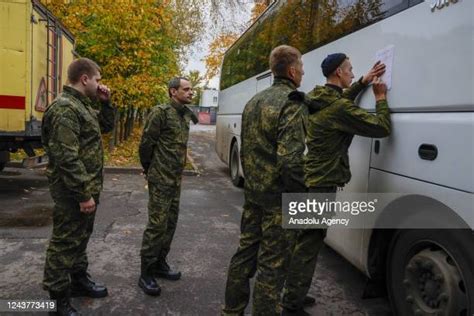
(198, 83)
(259, 7)
(217, 49)
(224, 40)
(137, 44)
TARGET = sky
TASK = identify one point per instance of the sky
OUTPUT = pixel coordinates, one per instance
(200, 49)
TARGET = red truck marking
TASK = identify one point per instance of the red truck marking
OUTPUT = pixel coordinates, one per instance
(12, 102)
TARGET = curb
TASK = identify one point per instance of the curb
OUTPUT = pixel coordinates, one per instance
(14, 164)
(139, 170)
(122, 170)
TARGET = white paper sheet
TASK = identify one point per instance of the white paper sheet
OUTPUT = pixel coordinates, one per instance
(385, 55)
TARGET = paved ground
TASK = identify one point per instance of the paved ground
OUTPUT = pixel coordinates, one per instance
(205, 240)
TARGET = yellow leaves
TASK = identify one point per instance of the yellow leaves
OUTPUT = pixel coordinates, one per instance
(134, 42)
(222, 42)
(258, 8)
(217, 48)
(124, 154)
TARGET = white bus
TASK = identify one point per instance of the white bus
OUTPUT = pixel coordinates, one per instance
(429, 153)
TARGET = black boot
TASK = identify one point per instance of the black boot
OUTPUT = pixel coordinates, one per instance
(63, 304)
(147, 282)
(164, 271)
(309, 301)
(82, 285)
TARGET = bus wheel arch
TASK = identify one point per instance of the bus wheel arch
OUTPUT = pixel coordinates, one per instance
(429, 272)
(394, 250)
(234, 164)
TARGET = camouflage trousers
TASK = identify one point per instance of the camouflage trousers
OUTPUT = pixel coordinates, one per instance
(308, 243)
(303, 263)
(163, 210)
(66, 254)
(264, 249)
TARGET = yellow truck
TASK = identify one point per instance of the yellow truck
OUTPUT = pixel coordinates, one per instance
(35, 50)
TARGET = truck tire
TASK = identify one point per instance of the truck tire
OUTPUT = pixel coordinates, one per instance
(234, 166)
(431, 272)
(4, 158)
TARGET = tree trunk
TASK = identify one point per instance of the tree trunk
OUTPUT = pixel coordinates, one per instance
(121, 128)
(116, 129)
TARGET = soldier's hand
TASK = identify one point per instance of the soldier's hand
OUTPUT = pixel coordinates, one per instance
(88, 207)
(103, 92)
(377, 71)
(380, 89)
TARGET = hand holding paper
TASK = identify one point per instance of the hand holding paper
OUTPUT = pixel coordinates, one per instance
(385, 56)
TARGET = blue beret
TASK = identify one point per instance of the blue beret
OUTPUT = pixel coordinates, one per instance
(331, 63)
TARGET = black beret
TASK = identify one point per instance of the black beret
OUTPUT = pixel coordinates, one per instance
(331, 63)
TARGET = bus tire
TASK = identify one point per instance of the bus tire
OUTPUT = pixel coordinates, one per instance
(431, 272)
(234, 166)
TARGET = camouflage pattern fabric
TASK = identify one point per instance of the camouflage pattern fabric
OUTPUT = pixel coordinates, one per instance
(71, 138)
(272, 159)
(163, 211)
(308, 243)
(264, 248)
(331, 128)
(164, 143)
(272, 139)
(333, 120)
(66, 254)
(163, 157)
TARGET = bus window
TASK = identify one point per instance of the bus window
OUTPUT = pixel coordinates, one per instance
(304, 24)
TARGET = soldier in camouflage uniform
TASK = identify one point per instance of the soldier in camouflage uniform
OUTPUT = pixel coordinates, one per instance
(272, 141)
(71, 135)
(332, 122)
(163, 157)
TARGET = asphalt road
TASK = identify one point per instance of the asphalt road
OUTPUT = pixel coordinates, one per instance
(206, 238)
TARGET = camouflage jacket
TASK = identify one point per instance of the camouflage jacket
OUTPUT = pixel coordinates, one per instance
(70, 134)
(330, 130)
(272, 139)
(164, 143)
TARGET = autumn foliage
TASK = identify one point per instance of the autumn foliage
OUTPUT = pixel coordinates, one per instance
(132, 41)
(224, 40)
(217, 48)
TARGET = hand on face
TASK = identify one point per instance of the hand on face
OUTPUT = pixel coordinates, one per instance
(103, 93)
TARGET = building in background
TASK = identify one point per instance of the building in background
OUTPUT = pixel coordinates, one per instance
(208, 106)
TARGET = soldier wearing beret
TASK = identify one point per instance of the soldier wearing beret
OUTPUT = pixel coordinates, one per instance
(333, 120)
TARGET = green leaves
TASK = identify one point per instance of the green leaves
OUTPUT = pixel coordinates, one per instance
(136, 43)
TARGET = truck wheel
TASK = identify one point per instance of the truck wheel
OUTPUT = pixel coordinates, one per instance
(4, 158)
(431, 272)
(234, 166)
